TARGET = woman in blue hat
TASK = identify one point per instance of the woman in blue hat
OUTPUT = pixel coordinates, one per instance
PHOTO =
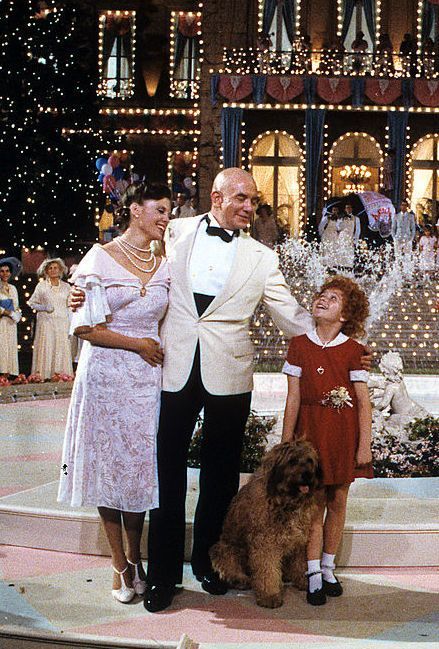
(10, 315)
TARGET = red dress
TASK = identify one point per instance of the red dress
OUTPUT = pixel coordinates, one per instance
(333, 432)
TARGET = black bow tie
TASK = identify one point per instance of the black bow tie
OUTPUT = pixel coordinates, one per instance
(214, 231)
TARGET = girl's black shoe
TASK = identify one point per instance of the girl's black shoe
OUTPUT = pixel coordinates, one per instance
(318, 597)
(333, 590)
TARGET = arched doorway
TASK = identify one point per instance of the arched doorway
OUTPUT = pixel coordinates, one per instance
(424, 177)
(351, 151)
(276, 163)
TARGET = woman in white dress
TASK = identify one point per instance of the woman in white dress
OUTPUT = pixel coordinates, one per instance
(10, 315)
(109, 454)
(52, 352)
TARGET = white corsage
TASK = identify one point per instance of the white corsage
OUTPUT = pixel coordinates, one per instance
(337, 398)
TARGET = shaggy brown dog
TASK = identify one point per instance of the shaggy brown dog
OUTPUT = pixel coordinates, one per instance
(266, 528)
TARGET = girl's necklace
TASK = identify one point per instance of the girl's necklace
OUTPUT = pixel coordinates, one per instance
(321, 370)
(128, 256)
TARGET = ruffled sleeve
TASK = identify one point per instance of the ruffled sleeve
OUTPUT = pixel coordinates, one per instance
(95, 309)
(88, 277)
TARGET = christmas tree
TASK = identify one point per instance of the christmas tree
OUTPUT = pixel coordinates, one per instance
(50, 137)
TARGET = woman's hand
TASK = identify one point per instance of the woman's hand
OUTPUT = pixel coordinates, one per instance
(363, 456)
(76, 298)
(151, 352)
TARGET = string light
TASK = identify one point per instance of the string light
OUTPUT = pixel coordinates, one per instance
(331, 160)
(111, 87)
(186, 88)
(297, 227)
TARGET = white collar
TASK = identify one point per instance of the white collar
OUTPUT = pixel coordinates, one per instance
(215, 223)
(338, 340)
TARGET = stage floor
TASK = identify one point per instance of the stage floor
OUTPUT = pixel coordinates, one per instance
(390, 522)
(56, 594)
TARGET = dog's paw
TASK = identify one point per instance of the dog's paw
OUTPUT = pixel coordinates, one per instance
(269, 601)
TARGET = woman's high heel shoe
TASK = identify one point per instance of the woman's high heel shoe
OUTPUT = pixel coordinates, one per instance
(125, 593)
(139, 584)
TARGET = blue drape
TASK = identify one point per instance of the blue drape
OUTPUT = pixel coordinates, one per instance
(348, 11)
(407, 92)
(259, 81)
(269, 9)
(369, 10)
(397, 122)
(231, 120)
(310, 84)
(214, 83)
(357, 89)
(288, 16)
(427, 20)
(314, 125)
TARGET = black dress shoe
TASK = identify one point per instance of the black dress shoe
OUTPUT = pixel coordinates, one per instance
(213, 584)
(333, 589)
(157, 598)
(317, 597)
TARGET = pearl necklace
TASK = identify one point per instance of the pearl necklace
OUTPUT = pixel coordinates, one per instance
(133, 247)
(128, 256)
(127, 247)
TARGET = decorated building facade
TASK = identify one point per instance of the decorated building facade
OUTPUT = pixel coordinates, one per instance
(285, 88)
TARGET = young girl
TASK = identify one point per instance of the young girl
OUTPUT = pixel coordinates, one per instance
(328, 404)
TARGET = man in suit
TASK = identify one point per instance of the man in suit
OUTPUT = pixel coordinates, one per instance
(403, 232)
(219, 274)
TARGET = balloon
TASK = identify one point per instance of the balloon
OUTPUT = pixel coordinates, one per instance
(109, 183)
(101, 177)
(113, 160)
(100, 162)
(118, 173)
(106, 169)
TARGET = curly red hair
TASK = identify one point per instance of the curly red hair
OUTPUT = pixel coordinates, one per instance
(355, 304)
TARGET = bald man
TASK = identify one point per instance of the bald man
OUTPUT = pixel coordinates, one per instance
(219, 274)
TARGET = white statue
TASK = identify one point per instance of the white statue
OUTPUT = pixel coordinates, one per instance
(392, 408)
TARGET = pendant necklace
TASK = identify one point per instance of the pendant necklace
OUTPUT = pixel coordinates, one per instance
(142, 270)
(321, 370)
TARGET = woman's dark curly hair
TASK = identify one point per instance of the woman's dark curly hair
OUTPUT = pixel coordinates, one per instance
(138, 193)
(355, 304)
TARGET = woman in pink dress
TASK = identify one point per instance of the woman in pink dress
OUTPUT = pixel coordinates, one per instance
(328, 404)
(109, 454)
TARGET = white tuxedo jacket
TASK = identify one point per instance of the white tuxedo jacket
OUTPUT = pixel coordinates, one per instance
(222, 331)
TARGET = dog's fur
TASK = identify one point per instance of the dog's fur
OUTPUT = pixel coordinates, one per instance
(267, 526)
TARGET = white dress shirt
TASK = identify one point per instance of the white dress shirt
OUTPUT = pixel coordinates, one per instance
(211, 260)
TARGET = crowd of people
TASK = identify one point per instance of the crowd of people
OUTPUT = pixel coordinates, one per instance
(340, 228)
(52, 346)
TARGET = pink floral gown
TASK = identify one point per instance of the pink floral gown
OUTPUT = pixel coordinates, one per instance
(109, 453)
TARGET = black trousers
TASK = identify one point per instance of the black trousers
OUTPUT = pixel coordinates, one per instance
(223, 430)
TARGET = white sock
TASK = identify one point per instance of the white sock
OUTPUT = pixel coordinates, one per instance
(328, 567)
(315, 582)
